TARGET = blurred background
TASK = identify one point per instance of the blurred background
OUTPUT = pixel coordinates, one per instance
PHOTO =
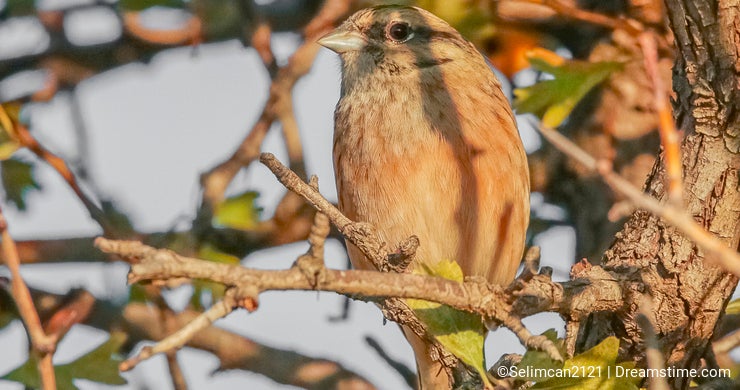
(148, 102)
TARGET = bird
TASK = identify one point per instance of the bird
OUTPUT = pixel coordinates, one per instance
(426, 144)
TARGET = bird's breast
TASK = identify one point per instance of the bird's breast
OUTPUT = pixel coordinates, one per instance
(408, 162)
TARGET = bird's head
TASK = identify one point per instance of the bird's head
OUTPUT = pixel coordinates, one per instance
(396, 40)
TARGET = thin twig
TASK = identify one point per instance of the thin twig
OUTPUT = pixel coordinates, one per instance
(312, 263)
(565, 10)
(216, 180)
(261, 42)
(538, 342)
(727, 343)
(167, 323)
(190, 32)
(669, 137)
(653, 354)
(716, 250)
(360, 234)
(571, 336)
(173, 367)
(328, 15)
(408, 375)
(96, 213)
(181, 337)
(236, 352)
(320, 229)
(42, 345)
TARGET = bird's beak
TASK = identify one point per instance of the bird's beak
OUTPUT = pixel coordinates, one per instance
(342, 41)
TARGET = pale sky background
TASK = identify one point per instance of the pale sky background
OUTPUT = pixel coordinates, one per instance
(153, 129)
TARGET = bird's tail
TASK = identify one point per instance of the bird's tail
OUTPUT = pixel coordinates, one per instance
(431, 374)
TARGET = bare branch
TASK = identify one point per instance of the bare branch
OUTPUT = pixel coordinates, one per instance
(669, 137)
(727, 343)
(96, 213)
(568, 11)
(42, 344)
(653, 353)
(190, 32)
(406, 373)
(716, 250)
(141, 321)
(181, 337)
(237, 352)
(261, 42)
(278, 107)
(173, 366)
(476, 296)
(360, 234)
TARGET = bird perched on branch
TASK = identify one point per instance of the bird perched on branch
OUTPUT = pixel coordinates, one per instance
(425, 144)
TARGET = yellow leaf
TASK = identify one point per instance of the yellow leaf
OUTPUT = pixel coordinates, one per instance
(238, 212)
(9, 141)
(547, 56)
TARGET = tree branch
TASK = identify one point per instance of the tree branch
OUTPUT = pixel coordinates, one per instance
(237, 352)
(669, 137)
(41, 344)
(490, 301)
(716, 250)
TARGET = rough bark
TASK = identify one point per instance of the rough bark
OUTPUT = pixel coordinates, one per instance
(652, 259)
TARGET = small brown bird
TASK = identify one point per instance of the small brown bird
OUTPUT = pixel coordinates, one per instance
(425, 144)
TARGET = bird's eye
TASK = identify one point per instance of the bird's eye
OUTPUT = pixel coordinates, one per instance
(399, 32)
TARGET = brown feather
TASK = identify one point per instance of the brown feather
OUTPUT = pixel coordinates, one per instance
(425, 143)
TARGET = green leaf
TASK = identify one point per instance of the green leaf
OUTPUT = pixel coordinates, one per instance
(594, 369)
(238, 212)
(205, 289)
(474, 23)
(202, 287)
(7, 316)
(211, 253)
(137, 293)
(116, 218)
(99, 365)
(27, 374)
(17, 178)
(733, 307)
(19, 8)
(461, 333)
(553, 100)
(221, 18)
(539, 359)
